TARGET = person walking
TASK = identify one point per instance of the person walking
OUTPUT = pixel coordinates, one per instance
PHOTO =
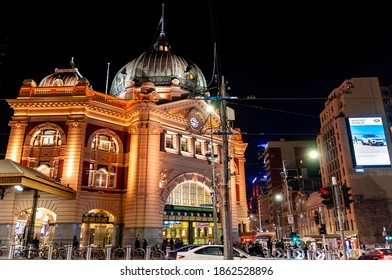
(36, 242)
(269, 246)
(75, 242)
(144, 244)
(137, 243)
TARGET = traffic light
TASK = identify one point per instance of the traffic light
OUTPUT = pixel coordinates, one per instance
(323, 229)
(346, 195)
(316, 217)
(294, 237)
(327, 195)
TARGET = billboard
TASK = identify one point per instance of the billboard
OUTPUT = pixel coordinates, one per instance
(368, 142)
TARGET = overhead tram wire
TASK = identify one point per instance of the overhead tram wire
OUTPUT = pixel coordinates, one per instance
(274, 110)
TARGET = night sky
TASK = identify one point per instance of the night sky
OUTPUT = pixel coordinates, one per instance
(289, 57)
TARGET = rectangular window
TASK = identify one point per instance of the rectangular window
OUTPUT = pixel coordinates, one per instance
(169, 141)
(198, 147)
(47, 140)
(104, 145)
(184, 145)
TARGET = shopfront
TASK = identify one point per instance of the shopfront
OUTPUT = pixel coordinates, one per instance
(194, 225)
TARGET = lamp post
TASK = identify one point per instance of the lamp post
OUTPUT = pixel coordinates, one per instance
(290, 218)
(279, 197)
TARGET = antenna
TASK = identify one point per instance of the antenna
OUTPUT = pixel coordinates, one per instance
(107, 78)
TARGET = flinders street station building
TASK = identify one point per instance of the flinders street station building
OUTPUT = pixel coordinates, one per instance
(109, 167)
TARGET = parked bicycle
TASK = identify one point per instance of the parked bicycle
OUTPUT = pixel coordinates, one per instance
(26, 252)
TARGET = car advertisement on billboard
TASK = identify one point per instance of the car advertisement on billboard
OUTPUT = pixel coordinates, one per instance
(368, 142)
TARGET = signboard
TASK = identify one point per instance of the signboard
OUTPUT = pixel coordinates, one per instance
(368, 142)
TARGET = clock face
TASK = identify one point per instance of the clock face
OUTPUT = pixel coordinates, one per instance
(194, 122)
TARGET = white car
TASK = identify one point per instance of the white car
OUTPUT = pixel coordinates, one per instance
(213, 252)
(372, 140)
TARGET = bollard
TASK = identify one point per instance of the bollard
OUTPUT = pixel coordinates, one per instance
(148, 252)
(108, 251)
(89, 250)
(50, 251)
(69, 252)
(11, 252)
(129, 251)
(288, 254)
(309, 255)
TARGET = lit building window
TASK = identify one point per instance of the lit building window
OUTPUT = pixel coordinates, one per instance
(169, 141)
(198, 148)
(101, 178)
(48, 137)
(185, 144)
(190, 194)
(105, 143)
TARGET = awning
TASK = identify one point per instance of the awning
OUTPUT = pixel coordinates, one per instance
(13, 173)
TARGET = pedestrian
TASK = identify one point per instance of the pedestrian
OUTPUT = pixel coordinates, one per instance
(36, 242)
(171, 244)
(269, 246)
(163, 245)
(144, 244)
(75, 242)
(137, 243)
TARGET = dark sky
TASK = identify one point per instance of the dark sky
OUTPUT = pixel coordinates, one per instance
(288, 56)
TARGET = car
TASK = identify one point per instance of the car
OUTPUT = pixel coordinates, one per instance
(172, 254)
(376, 254)
(213, 252)
(372, 140)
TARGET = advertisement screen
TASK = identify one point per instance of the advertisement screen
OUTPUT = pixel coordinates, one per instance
(368, 142)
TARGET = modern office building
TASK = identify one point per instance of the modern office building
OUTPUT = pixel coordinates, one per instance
(132, 162)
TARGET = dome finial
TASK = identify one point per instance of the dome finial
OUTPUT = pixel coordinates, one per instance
(162, 21)
(161, 45)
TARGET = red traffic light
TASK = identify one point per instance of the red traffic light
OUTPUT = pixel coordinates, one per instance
(326, 194)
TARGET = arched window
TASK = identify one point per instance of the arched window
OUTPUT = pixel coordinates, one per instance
(104, 143)
(102, 178)
(47, 137)
(190, 193)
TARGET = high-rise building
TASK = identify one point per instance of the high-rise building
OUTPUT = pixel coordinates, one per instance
(355, 149)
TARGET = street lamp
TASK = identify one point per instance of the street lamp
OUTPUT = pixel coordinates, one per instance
(290, 217)
(279, 198)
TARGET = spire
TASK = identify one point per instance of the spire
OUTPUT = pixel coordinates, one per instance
(161, 45)
(162, 21)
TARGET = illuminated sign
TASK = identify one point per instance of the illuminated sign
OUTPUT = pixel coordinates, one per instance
(368, 142)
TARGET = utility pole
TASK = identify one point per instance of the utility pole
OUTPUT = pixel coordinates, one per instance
(322, 222)
(340, 215)
(227, 232)
(214, 200)
(290, 217)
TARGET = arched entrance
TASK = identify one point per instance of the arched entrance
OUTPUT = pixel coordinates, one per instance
(189, 210)
(44, 226)
(97, 228)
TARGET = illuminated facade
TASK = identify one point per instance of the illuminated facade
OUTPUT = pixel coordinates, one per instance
(135, 157)
(371, 210)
